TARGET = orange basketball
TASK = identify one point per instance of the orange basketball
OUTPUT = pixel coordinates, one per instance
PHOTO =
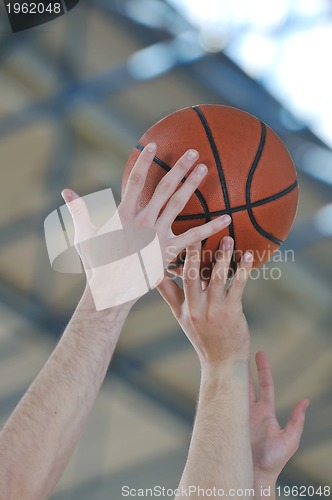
(251, 177)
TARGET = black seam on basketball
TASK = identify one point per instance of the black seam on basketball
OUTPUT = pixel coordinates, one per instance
(230, 210)
(240, 208)
(253, 167)
(221, 174)
(197, 192)
(274, 197)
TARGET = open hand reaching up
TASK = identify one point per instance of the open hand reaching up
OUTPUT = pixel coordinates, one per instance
(271, 445)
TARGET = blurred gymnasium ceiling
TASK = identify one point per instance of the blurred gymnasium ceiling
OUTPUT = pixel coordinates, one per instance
(74, 98)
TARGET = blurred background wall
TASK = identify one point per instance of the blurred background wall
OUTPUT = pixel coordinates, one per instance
(75, 96)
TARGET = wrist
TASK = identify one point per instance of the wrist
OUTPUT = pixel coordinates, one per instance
(87, 305)
(231, 370)
(265, 484)
(214, 363)
(224, 366)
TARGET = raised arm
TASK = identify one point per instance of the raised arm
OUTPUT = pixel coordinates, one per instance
(40, 435)
(220, 453)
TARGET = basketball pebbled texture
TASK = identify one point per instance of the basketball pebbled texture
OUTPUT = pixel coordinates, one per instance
(251, 177)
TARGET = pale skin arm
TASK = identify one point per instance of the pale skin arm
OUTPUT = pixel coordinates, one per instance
(40, 435)
(220, 452)
(271, 445)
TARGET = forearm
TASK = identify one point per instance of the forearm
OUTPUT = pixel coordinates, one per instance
(265, 487)
(220, 451)
(38, 439)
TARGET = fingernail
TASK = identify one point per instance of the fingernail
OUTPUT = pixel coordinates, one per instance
(306, 406)
(192, 155)
(66, 195)
(201, 169)
(226, 243)
(248, 257)
(152, 146)
(224, 220)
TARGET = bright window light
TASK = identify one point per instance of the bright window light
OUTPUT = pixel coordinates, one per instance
(284, 44)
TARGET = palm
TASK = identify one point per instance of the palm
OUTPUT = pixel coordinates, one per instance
(271, 446)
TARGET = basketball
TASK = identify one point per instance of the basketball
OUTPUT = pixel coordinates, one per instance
(251, 177)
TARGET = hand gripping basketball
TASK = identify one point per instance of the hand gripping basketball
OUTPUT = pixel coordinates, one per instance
(135, 220)
(251, 177)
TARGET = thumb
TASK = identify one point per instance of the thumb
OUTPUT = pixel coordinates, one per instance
(78, 210)
(295, 424)
(171, 293)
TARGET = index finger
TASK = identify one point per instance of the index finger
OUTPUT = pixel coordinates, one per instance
(266, 385)
(137, 177)
(171, 293)
(252, 387)
(191, 274)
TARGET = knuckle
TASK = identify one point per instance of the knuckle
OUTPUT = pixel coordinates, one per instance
(196, 235)
(234, 308)
(182, 165)
(239, 279)
(237, 284)
(164, 187)
(217, 279)
(186, 277)
(219, 275)
(184, 170)
(195, 317)
(219, 255)
(135, 180)
(143, 218)
(76, 208)
(175, 201)
(211, 316)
